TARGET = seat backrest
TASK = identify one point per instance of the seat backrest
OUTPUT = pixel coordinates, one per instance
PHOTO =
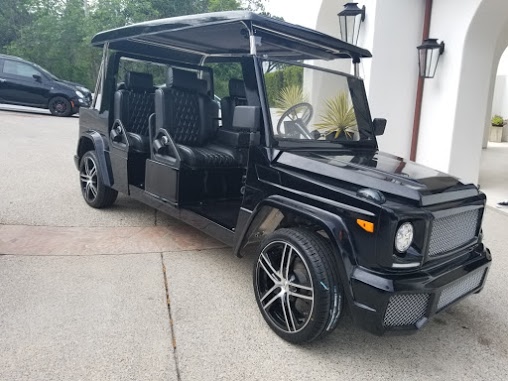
(183, 108)
(237, 97)
(134, 103)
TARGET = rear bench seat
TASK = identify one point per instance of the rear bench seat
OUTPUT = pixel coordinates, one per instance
(183, 108)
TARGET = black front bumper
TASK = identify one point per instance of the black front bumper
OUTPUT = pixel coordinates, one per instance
(382, 303)
(77, 102)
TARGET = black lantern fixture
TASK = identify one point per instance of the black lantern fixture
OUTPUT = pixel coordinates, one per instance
(428, 56)
(350, 19)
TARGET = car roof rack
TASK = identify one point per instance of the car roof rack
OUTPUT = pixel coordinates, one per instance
(225, 35)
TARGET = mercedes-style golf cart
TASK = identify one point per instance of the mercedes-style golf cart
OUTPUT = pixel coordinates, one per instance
(238, 125)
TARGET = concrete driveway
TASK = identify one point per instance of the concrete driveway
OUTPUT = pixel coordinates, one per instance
(130, 294)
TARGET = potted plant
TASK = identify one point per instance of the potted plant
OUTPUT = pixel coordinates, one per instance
(496, 129)
(338, 120)
(288, 97)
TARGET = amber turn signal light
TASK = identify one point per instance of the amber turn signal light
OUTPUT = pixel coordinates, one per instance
(366, 225)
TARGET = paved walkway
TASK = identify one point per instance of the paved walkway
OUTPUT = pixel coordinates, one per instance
(130, 294)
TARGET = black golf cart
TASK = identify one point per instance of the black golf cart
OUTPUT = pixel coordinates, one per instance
(238, 125)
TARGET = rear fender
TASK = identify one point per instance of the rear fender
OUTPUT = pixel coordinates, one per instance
(92, 140)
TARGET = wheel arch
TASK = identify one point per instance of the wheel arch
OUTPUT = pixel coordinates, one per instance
(276, 211)
(93, 141)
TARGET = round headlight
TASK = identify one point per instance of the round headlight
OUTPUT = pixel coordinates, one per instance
(80, 94)
(404, 237)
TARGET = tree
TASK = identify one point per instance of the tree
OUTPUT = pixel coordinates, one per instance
(56, 34)
(255, 5)
(14, 16)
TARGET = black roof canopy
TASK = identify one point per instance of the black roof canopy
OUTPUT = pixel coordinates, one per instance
(225, 34)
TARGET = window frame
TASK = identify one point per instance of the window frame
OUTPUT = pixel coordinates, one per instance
(38, 72)
(360, 102)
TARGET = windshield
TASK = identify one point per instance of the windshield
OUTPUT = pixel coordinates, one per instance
(308, 103)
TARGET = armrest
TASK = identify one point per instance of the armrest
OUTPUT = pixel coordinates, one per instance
(235, 139)
(118, 134)
(164, 148)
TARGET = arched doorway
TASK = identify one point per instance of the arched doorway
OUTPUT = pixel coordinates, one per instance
(494, 161)
(486, 40)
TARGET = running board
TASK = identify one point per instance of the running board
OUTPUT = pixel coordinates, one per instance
(207, 226)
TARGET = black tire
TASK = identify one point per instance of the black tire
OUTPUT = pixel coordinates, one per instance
(302, 300)
(95, 193)
(60, 106)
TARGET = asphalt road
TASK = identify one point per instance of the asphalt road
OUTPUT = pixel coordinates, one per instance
(85, 293)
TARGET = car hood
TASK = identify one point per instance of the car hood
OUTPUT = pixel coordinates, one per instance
(384, 172)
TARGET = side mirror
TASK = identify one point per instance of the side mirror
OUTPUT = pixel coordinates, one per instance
(247, 118)
(37, 78)
(379, 126)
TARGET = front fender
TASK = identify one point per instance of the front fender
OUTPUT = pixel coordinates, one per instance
(265, 216)
(259, 225)
(92, 140)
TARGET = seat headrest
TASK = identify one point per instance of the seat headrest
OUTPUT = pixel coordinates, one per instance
(237, 88)
(185, 79)
(138, 81)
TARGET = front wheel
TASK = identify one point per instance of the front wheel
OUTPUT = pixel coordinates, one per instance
(59, 106)
(297, 286)
(95, 193)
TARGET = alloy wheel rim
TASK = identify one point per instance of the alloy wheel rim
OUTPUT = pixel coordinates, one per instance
(88, 176)
(284, 287)
(59, 107)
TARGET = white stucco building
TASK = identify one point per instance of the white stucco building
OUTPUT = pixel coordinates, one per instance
(458, 102)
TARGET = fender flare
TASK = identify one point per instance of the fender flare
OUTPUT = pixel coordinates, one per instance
(333, 224)
(100, 147)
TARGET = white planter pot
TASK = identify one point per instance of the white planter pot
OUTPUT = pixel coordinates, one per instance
(496, 133)
(505, 134)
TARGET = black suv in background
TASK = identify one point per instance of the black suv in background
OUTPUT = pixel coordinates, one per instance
(27, 84)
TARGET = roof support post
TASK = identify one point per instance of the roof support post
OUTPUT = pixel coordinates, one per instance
(101, 78)
(253, 48)
(356, 67)
(254, 41)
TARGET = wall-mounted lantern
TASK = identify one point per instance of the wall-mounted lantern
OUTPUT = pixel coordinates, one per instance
(428, 56)
(350, 19)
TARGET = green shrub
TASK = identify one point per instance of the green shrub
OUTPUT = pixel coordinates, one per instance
(290, 96)
(338, 117)
(287, 77)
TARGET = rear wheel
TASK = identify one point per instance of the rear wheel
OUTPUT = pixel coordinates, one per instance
(296, 285)
(95, 193)
(59, 106)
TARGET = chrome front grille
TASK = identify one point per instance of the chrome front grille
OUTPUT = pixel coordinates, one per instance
(453, 231)
(460, 288)
(405, 309)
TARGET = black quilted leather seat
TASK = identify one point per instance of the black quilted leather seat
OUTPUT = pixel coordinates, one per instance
(133, 106)
(184, 109)
(237, 97)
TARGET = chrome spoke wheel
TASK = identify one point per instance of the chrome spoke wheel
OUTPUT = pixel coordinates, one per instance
(88, 178)
(95, 192)
(284, 286)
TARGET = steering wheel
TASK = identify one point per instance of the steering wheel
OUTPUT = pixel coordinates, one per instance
(300, 115)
